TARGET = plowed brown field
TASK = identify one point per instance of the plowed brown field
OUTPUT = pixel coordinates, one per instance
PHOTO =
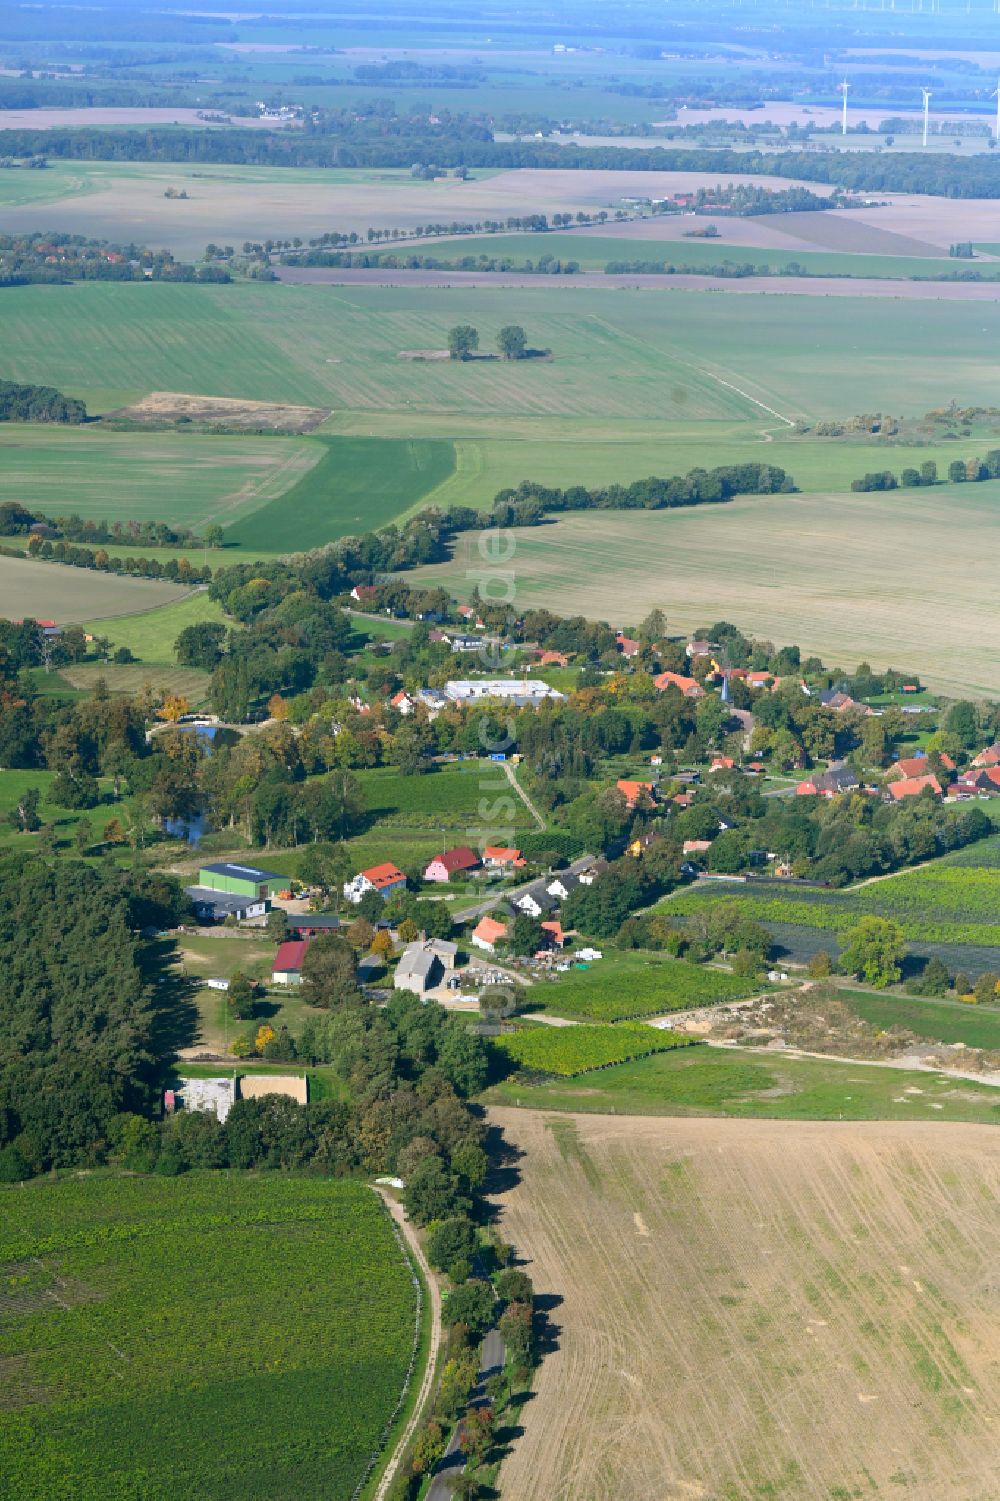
(754, 1310)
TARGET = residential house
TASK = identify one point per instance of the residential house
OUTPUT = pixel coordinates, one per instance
(700, 648)
(422, 965)
(696, 846)
(914, 786)
(637, 794)
(500, 857)
(310, 923)
(384, 879)
(916, 766)
(287, 967)
(563, 884)
(988, 757)
(689, 687)
(452, 863)
(834, 699)
(554, 935)
(552, 659)
(460, 642)
(837, 778)
(364, 594)
(536, 900)
(590, 874)
(722, 763)
(642, 842)
(628, 646)
(488, 933)
(402, 702)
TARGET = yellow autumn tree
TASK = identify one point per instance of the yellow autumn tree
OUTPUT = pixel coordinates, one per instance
(264, 1036)
(382, 944)
(173, 707)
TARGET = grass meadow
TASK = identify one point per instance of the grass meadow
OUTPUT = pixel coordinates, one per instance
(74, 595)
(141, 1330)
(150, 635)
(628, 984)
(738, 1082)
(458, 799)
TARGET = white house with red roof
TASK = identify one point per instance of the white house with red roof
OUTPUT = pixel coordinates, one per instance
(385, 879)
(488, 933)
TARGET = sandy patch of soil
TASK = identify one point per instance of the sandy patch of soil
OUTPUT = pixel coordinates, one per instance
(235, 415)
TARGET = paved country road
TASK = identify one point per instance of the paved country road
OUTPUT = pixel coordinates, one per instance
(490, 1361)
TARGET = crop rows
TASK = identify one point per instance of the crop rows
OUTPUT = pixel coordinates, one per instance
(636, 989)
(579, 1050)
(207, 1335)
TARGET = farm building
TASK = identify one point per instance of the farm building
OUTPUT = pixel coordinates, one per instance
(914, 786)
(213, 1096)
(521, 692)
(287, 968)
(310, 923)
(216, 906)
(488, 933)
(384, 879)
(241, 880)
(451, 863)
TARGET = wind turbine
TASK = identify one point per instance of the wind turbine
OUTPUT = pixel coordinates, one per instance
(844, 88)
(927, 105)
(996, 95)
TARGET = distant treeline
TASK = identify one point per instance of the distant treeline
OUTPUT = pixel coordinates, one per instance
(38, 404)
(391, 260)
(697, 487)
(51, 257)
(345, 141)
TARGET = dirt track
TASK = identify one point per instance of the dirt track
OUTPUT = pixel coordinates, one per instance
(759, 1309)
(803, 286)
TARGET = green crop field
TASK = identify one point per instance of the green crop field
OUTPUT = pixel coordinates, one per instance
(185, 479)
(623, 985)
(633, 357)
(594, 251)
(358, 485)
(144, 1352)
(783, 568)
(708, 1081)
(569, 1051)
(459, 798)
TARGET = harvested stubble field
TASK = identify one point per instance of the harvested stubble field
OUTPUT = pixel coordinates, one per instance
(758, 1310)
(829, 572)
(230, 204)
(52, 591)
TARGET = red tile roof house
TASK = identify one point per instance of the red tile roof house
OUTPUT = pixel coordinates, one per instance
(636, 794)
(690, 687)
(495, 855)
(364, 593)
(722, 763)
(988, 757)
(914, 786)
(287, 967)
(452, 863)
(487, 933)
(554, 929)
(553, 659)
(917, 766)
(384, 879)
(627, 645)
(696, 846)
